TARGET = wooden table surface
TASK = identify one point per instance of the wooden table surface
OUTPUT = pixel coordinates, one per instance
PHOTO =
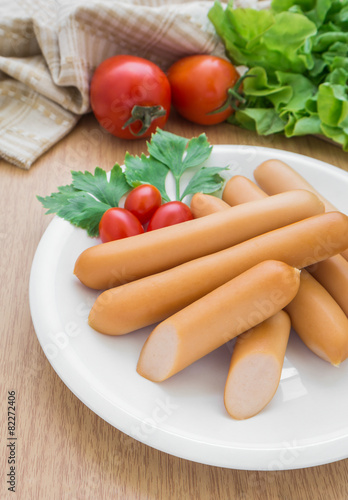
(63, 450)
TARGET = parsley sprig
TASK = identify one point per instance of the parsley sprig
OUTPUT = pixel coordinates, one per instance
(86, 199)
(171, 153)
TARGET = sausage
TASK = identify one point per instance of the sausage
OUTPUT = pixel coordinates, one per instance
(239, 189)
(110, 264)
(332, 273)
(206, 204)
(275, 176)
(256, 366)
(345, 254)
(151, 299)
(319, 321)
(216, 318)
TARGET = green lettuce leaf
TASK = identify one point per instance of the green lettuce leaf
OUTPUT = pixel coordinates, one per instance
(263, 38)
(297, 52)
(333, 105)
(264, 121)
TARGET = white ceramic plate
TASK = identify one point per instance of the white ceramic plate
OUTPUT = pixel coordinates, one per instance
(305, 424)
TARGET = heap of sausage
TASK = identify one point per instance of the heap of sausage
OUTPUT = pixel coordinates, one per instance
(231, 273)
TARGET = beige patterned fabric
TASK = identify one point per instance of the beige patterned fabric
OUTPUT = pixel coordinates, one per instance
(49, 50)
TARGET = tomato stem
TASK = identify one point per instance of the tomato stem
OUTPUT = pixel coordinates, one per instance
(234, 98)
(146, 115)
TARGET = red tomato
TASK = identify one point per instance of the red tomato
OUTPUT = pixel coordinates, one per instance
(118, 223)
(143, 201)
(130, 96)
(168, 214)
(200, 85)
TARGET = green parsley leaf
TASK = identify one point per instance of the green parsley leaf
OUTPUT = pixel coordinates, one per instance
(206, 180)
(54, 202)
(99, 186)
(146, 170)
(177, 152)
(84, 202)
(85, 212)
(170, 153)
(169, 149)
(198, 150)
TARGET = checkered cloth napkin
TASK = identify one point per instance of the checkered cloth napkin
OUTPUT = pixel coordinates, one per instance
(49, 50)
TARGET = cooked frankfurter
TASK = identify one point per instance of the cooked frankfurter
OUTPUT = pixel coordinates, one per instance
(216, 318)
(329, 341)
(256, 366)
(275, 176)
(332, 273)
(240, 189)
(160, 295)
(345, 254)
(206, 204)
(110, 264)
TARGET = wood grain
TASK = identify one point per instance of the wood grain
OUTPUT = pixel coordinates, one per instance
(64, 450)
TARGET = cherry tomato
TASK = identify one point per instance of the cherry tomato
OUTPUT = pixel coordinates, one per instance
(143, 201)
(130, 96)
(168, 214)
(200, 85)
(118, 223)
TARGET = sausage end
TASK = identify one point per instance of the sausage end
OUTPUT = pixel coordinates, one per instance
(252, 385)
(158, 355)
